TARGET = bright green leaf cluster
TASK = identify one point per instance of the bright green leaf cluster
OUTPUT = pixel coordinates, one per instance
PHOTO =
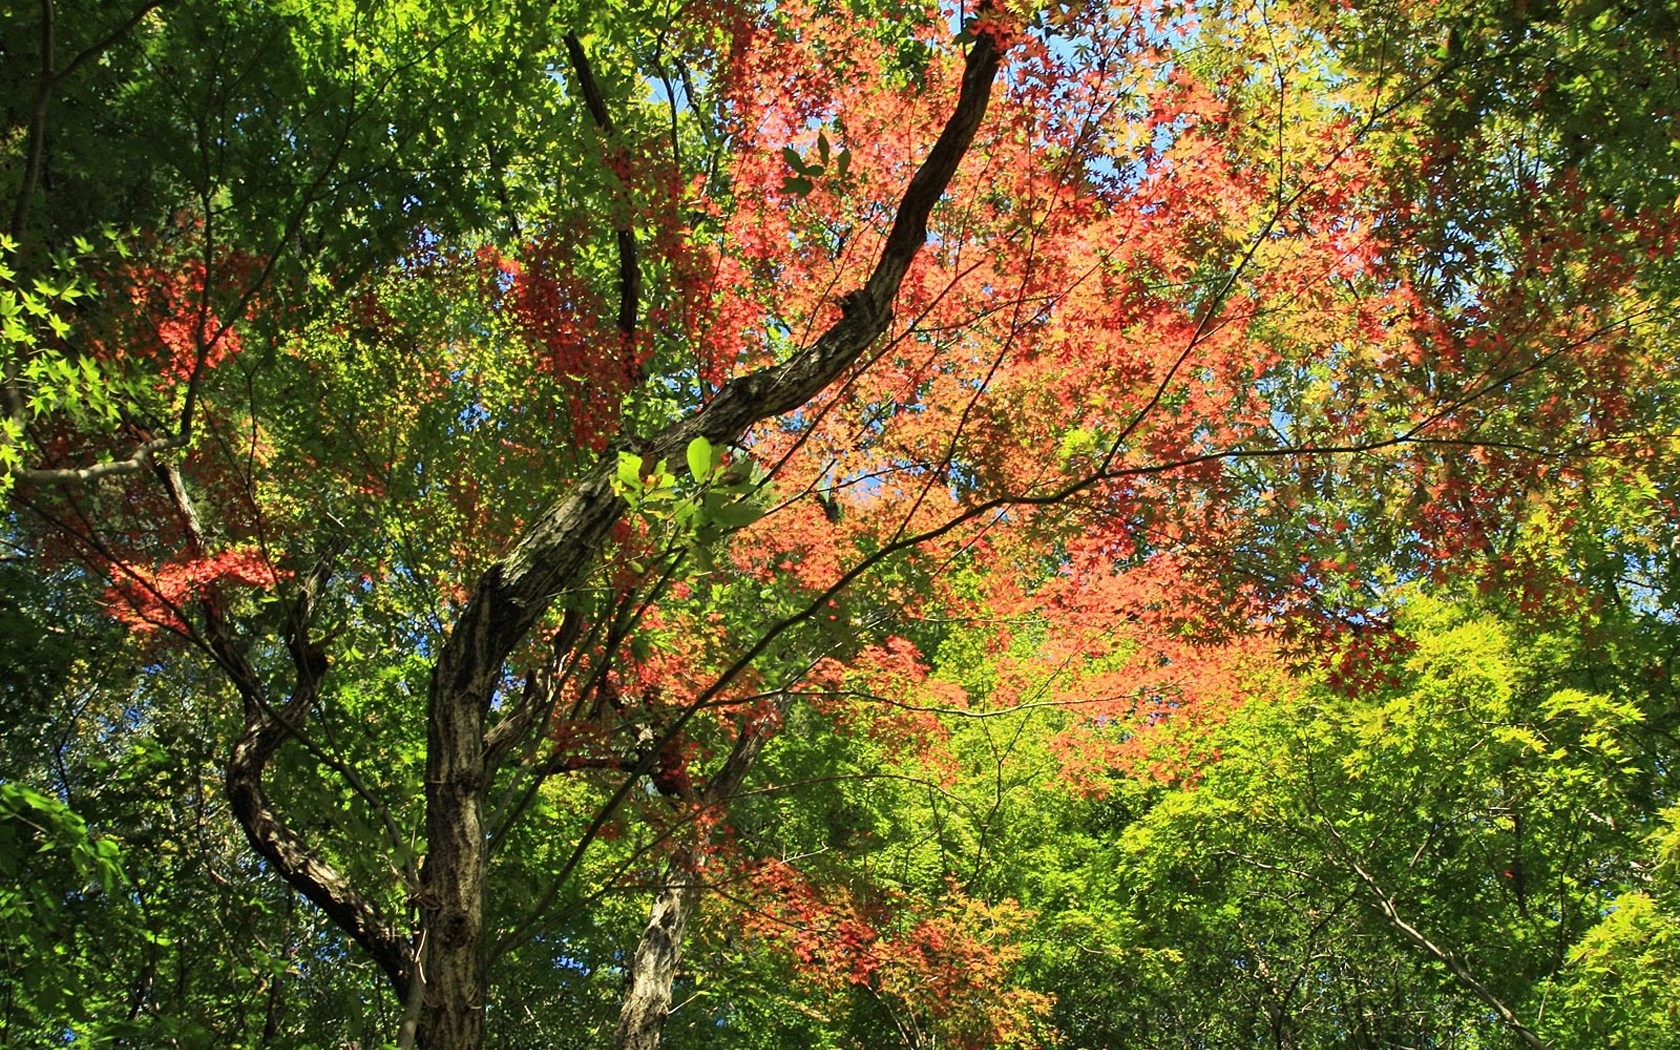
(51, 377)
(722, 500)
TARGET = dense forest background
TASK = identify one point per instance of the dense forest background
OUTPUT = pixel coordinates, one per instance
(840, 523)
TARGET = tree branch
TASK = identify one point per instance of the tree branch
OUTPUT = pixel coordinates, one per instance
(280, 845)
(540, 692)
(36, 136)
(629, 272)
(557, 549)
(265, 730)
(1454, 965)
(140, 459)
(35, 147)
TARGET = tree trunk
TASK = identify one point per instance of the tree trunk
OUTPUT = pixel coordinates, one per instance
(452, 902)
(653, 971)
(553, 554)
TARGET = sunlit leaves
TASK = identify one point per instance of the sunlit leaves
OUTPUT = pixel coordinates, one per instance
(53, 376)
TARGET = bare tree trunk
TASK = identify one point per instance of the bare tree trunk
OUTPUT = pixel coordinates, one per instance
(457, 860)
(653, 971)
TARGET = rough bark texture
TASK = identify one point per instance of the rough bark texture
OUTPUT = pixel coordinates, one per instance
(452, 1013)
(291, 856)
(267, 727)
(653, 971)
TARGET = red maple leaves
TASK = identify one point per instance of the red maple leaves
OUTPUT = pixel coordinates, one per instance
(161, 599)
(942, 964)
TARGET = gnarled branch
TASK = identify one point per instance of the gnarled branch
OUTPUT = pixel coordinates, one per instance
(558, 547)
(266, 728)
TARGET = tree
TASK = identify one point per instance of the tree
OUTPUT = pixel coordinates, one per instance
(507, 422)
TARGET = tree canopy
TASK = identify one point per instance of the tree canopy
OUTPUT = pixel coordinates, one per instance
(839, 523)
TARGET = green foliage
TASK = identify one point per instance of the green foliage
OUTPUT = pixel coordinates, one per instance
(723, 498)
(1500, 815)
(1499, 795)
(1550, 108)
(51, 870)
(1620, 988)
(54, 381)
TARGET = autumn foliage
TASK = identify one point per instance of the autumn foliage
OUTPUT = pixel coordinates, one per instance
(731, 455)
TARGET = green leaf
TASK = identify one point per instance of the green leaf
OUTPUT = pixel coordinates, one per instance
(737, 515)
(701, 458)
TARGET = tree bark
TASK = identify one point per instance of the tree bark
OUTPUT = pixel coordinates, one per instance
(653, 970)
(267, 728)
(297, 862)
(452, 1014)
